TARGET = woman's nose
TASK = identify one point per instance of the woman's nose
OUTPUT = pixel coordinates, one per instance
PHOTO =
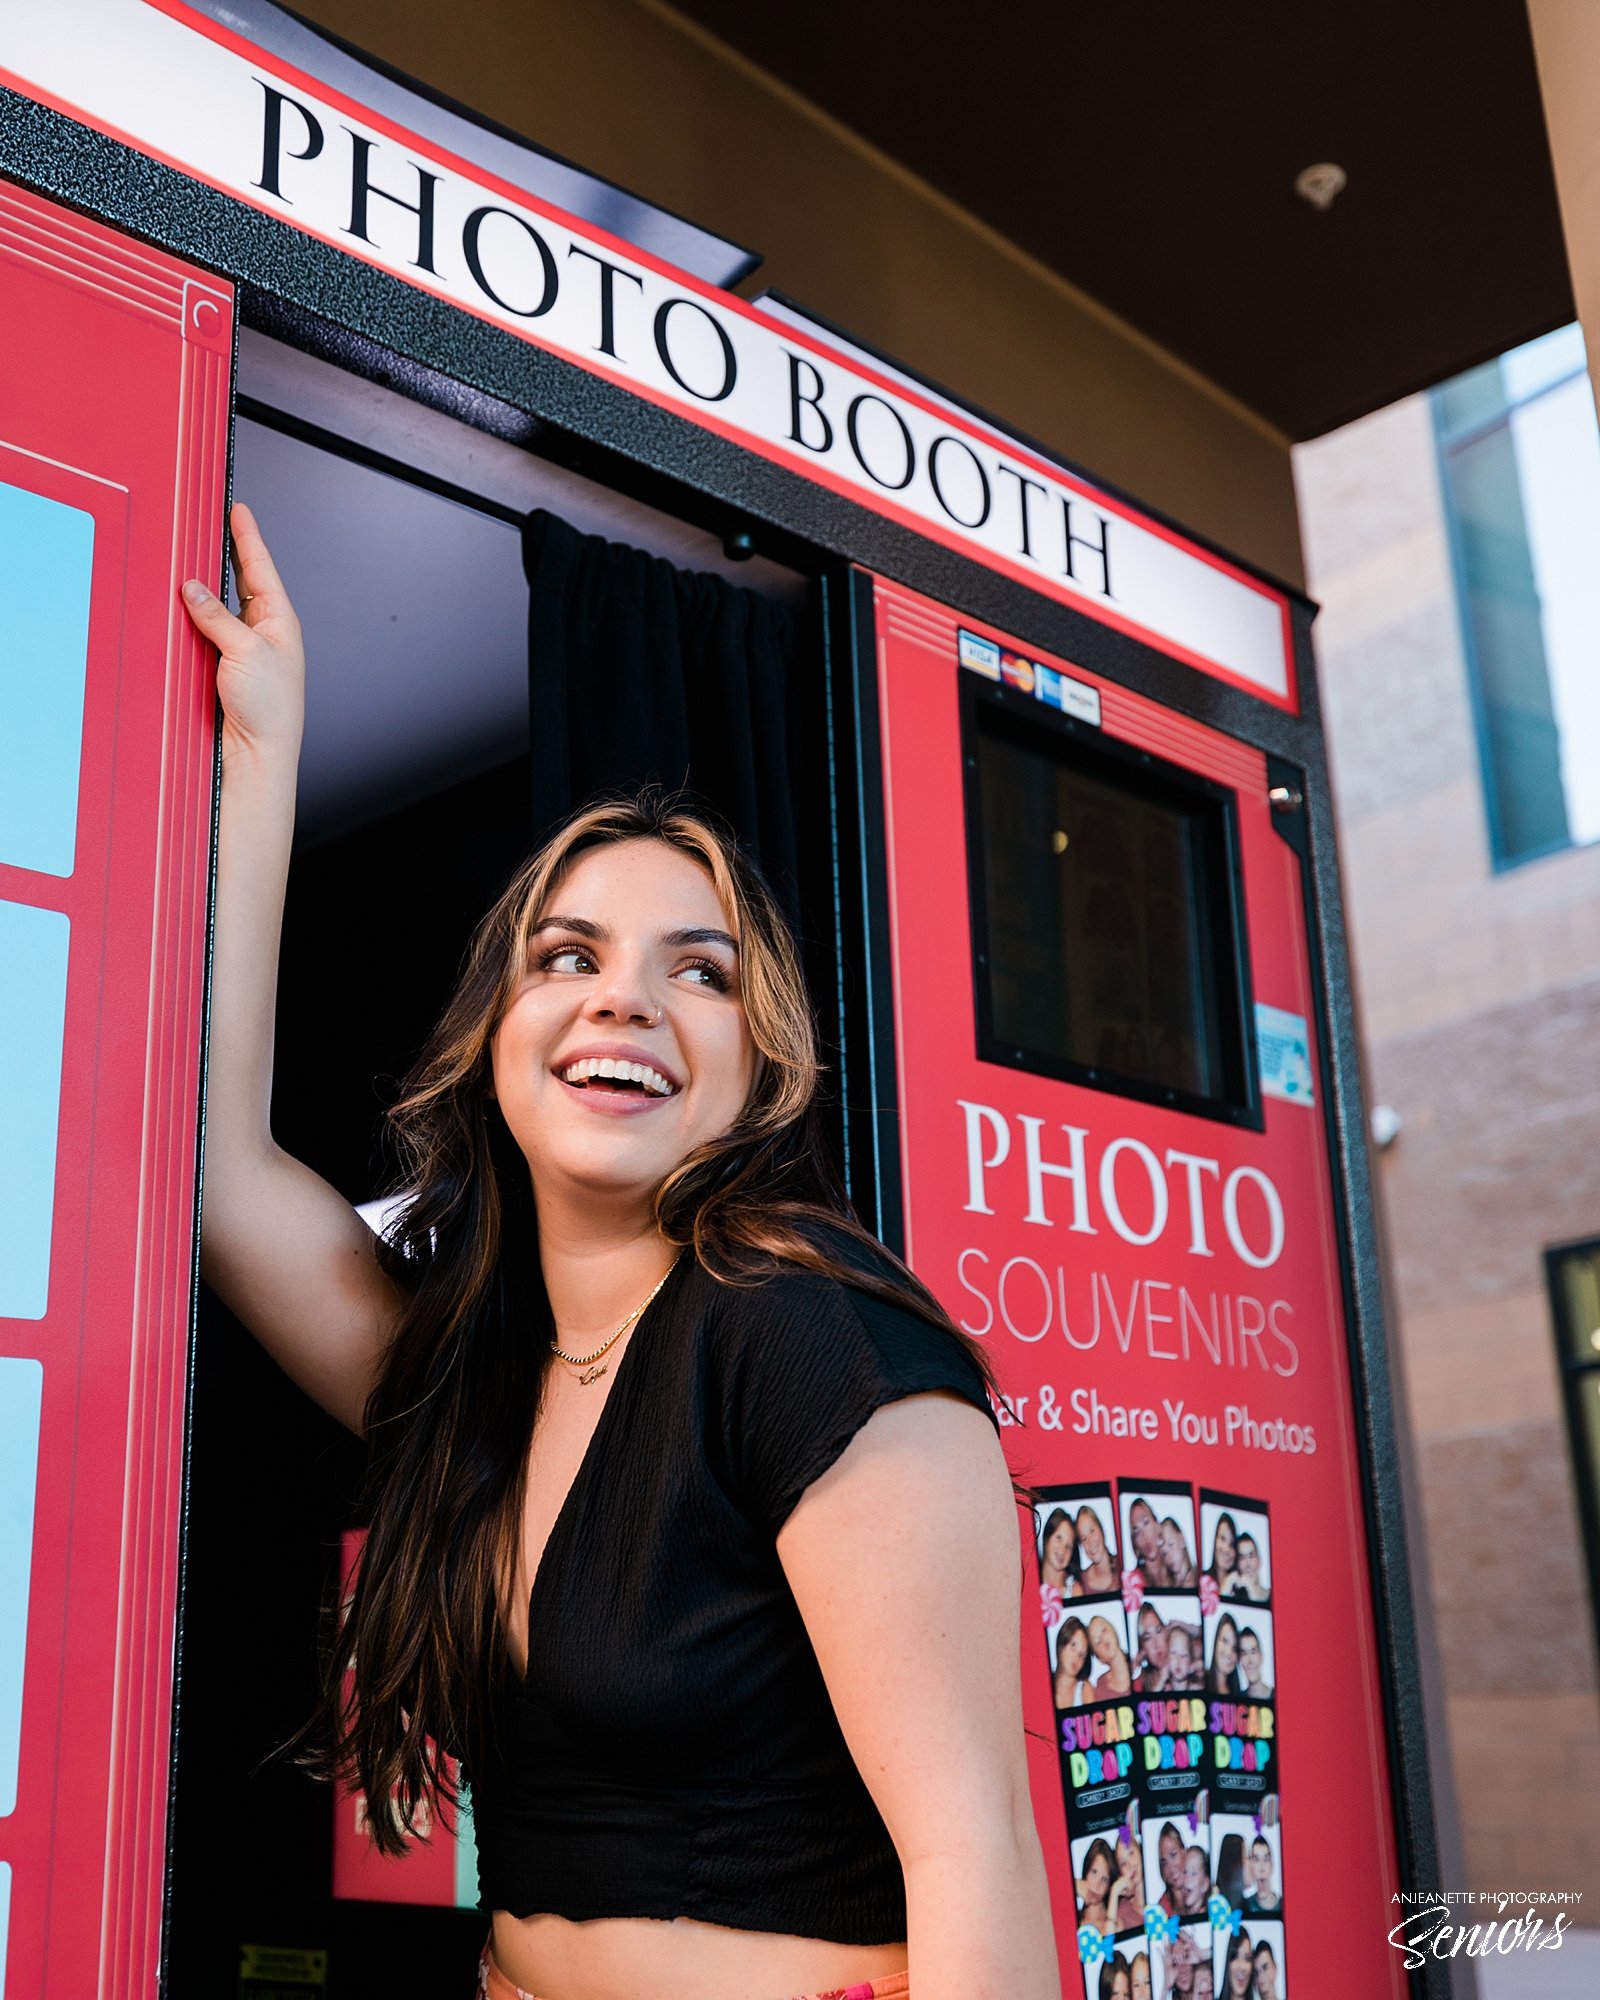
(623, 992)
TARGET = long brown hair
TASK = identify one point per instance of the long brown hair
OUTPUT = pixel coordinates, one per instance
(420, 1646)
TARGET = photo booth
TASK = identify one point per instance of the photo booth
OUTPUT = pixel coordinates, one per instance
(1038, 774)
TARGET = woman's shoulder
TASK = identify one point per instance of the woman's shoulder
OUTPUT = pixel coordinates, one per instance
(805, 1325)
(798, 1360)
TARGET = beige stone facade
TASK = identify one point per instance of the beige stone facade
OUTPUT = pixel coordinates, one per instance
(1480, 1016)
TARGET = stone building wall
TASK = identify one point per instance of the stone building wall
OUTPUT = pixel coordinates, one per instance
(1480, 1004)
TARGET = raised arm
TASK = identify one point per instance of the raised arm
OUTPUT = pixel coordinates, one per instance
(283, 1249)
(903, 1561)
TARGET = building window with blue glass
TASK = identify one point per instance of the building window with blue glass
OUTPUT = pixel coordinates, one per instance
(1520, 456)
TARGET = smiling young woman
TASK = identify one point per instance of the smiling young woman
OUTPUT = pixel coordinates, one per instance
(668, 1458)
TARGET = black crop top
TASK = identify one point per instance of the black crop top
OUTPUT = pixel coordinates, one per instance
(673, 1750)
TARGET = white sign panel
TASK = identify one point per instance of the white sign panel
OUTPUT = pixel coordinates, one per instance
(177, 84)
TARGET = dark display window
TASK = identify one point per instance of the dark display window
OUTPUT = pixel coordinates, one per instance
(1573, 1274)
(1107, 911)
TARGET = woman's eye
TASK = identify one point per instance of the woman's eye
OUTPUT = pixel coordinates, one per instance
(566, 958)
(706, 972)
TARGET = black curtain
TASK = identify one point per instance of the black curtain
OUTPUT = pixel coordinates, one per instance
(642, 673)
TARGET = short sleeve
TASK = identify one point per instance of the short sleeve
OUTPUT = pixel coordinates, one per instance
(806, 1361)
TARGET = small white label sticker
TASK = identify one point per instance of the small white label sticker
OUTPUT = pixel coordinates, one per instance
(1079, 699)
(981, 655)
(1284, 1051)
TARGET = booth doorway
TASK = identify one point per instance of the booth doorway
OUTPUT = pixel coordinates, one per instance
(398, 529)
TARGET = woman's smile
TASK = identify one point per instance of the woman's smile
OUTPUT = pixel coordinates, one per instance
(616, 1078)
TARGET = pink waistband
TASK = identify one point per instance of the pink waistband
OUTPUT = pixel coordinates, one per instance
(494, 1985)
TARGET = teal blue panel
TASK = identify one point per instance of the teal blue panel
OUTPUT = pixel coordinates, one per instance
(21, 1399)
(46, 555)
(33, 1007)
(466, 1858)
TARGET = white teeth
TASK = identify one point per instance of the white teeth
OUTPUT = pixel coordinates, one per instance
(619, 1071)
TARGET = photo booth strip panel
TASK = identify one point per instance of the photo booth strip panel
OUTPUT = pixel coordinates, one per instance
(1246, 1778)
(1094, 1733)
(1159, 1523)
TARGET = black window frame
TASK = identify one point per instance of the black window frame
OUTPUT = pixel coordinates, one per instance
(1576, 1374)
(1092, 749)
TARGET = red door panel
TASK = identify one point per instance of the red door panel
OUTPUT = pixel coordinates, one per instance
(113, 431)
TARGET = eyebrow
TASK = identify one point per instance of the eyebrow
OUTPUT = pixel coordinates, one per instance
(587, 927)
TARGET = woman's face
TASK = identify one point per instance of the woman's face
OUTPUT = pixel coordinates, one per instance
(1225, 1654)
(1204, 1984)
(1174, 1550)
(1073, 1655)
(1058, 1550)
(1143, 1527)
(1224, 1550)
(1103, 1638)
(1097, 1879)
(1250, 1658)
(1091, 1537)
(1240, 1967)
(1121, 1984)
(631, 963)
(1249, 1560)
(1139, 1984)
(1169, 1849)
(1179, 1660)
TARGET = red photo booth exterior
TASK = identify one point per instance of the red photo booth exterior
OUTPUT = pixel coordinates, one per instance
(1097, 1065)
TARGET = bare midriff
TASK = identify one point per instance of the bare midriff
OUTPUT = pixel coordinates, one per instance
(650, 1958)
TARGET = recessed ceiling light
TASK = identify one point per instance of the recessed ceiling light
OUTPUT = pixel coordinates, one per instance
(1320, 184)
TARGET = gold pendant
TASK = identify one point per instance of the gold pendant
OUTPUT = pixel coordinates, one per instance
(593, 1374)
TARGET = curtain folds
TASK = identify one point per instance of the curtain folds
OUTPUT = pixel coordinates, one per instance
(640, 672)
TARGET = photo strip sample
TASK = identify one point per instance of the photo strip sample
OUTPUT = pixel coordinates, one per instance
(1161, 1587)
(1085, 1622)
(1240, 1658)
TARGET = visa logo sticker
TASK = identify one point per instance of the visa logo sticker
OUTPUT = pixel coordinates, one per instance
(981, 655)
(1284, 1051)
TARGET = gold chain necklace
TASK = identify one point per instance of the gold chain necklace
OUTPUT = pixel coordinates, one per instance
(586, 1362)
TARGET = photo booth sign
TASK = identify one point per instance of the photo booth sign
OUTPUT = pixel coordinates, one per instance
(1135, 1216)
(174, 82)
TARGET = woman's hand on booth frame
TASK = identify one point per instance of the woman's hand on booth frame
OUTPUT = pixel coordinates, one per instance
(261, 668)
